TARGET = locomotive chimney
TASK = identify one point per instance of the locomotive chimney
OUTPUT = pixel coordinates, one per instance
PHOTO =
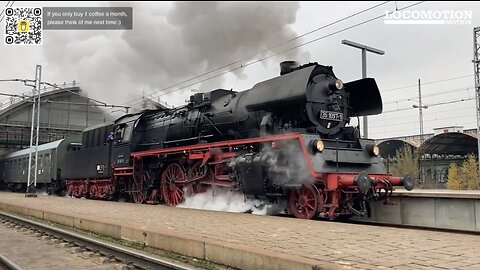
(287, 67)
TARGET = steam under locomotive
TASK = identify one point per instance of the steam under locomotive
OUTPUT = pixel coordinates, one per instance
(286, 138)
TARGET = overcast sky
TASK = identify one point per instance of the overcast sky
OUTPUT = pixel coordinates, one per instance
(172, 42)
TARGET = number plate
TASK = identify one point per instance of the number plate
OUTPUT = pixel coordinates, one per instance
(333, 116)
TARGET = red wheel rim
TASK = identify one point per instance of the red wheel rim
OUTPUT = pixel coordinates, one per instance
(172, 193)
(138, 195)
(303, 202)
(70, 190)
(93, 192)
(193, 172)
(76, 192)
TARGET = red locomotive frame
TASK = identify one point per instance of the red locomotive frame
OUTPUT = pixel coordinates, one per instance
(186, 170)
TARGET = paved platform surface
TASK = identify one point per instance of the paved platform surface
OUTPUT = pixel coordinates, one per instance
(438, 193)
(332, 244)
(32, 253)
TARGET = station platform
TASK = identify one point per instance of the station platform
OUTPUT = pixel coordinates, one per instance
(438, 193)
(439, 209)
(247, 241)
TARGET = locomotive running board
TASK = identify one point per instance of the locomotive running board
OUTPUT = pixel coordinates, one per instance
(231, 143)
(123, 171)
(181, 149)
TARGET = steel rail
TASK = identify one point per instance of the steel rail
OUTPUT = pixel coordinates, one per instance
(6, 263)
(127, 255)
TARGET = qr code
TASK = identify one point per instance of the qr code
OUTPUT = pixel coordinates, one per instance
(23, 26)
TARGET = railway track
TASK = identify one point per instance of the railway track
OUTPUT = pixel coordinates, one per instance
(132, 259)
(7, 264)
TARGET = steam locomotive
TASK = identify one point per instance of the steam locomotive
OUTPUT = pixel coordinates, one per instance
(285, 139)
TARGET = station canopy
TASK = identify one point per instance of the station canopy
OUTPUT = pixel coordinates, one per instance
(389, 148)
(451, 143)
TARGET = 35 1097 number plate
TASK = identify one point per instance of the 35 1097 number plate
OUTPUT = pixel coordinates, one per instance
(333, 116)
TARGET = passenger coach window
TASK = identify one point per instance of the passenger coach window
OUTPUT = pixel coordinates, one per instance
(47, 160)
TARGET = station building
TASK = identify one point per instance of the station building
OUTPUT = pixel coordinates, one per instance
(64, 113)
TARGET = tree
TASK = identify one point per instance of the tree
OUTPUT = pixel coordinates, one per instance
(464, 177)
(454, 181)
(469, 176)
(407, 163)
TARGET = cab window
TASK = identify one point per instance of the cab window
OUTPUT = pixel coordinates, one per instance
(123, 132)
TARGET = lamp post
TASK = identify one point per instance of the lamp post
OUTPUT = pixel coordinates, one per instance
(420, 116)
(420, 108)
(364, 49)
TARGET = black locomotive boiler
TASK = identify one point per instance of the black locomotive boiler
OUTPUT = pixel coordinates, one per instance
(287, 138)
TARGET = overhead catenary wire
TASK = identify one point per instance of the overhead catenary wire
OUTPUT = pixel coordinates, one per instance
(432, 105)
(91, 99)
(264, 51)
(427, 83)
(13, 95)
(274, 54)
(413, 127)
(380, 118)
(462, 89)
(426, 121)
(287, 50)
(398, 120)
(406, 124)
(380, 122)
(55, 86)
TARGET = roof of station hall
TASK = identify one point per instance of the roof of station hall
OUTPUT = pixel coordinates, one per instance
(449, 143)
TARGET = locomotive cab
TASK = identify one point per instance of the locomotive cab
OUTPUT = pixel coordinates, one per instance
(123, 144)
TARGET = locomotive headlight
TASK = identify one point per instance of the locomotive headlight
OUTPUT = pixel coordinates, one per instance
(374, 150)
(338, 84)
(318, 145)
(335, 85)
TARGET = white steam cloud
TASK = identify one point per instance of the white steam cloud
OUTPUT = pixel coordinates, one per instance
(288, 165)
(169, 43)
(223, 199)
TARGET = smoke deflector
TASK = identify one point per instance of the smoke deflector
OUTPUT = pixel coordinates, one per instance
(365, 97)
